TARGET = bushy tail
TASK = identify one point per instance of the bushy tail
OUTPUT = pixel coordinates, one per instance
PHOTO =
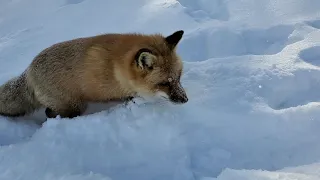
(17, 98)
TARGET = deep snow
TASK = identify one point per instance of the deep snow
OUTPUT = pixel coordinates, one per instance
(251, 73)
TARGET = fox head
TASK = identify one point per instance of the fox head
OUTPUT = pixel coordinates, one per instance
(157, 68)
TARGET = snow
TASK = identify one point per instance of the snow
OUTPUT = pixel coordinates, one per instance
(252, 75)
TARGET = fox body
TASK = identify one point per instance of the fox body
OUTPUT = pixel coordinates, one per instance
(64, 77)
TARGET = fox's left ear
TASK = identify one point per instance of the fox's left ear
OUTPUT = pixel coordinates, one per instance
(173, 39)
(145, 59)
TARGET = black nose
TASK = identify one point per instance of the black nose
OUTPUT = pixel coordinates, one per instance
(184, 99)
(179, 99)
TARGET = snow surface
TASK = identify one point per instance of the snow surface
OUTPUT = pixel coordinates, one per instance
(252, 74)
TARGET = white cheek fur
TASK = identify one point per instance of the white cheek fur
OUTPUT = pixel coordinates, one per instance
(162, 94)
(149, 97)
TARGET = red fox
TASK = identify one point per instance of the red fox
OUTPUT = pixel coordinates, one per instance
(66, 76)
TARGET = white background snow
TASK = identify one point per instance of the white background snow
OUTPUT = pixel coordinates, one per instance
(252, 74)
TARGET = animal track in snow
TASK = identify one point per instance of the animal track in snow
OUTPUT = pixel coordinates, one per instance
(206, 9)
(226, 42)
(315, 24)
(299, 88)
(311, 55)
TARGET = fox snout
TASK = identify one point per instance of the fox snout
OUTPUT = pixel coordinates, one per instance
(177, 94)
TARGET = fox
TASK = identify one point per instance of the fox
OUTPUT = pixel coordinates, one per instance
(64, 77)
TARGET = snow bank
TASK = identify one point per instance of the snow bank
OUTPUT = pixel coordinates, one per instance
(251, 73)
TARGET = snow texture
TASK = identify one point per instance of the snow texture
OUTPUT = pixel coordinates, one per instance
(252, 75)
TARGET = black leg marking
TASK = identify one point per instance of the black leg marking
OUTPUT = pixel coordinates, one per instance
(71, 113)
(50, 113)
(128, 99)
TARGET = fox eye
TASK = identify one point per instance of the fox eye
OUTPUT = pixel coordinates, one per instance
(164, 84)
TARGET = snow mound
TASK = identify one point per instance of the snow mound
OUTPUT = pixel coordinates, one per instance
(251, 74)
(262, 175)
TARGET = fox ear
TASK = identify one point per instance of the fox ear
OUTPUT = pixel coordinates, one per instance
(145, 59)
(173, 39)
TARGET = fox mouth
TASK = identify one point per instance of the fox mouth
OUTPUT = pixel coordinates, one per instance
(173, 101)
